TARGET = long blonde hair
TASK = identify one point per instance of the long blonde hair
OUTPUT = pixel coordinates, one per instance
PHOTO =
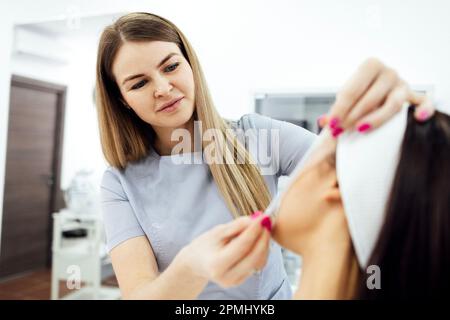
(126, 138)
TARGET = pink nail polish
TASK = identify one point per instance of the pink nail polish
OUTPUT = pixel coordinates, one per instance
(364, 127)
(336, 131)
(267, 223)
(334, 123)
(256, 214)
(423, 115)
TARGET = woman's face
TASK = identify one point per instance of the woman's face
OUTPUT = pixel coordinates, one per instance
(150, 74)
(311, 208)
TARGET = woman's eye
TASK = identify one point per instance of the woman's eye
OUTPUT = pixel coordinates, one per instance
(141, 83)
(173, 66)
(138, 85)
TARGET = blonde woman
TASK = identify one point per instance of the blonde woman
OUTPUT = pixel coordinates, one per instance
(178, 230)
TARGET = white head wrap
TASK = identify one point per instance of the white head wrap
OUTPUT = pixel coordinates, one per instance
(366, 165)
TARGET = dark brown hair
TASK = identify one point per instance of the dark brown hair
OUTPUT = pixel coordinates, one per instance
(413, 249)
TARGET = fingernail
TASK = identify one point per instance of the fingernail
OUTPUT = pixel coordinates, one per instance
(267, 223)
(423, 115)
(336, 131)
(322, 121)
(334, 122)
(256, 214)
(364, 127)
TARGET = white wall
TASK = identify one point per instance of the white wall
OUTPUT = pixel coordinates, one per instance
(245, 47)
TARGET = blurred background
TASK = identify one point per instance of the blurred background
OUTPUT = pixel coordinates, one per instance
(285, 59)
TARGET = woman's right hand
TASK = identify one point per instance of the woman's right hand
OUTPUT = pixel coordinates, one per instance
(229, 253)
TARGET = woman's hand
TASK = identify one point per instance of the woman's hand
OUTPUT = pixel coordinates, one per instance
(229, 253)
(372, 96)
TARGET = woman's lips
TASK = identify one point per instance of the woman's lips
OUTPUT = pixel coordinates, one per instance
(172, 107)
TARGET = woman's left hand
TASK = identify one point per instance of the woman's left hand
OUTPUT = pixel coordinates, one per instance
(372, 96)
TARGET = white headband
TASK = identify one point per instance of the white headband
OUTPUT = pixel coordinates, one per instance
(366, 165)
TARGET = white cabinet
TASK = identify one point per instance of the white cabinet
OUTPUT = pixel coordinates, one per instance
(79, 260)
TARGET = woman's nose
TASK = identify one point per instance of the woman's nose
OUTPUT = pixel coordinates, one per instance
(162, 87)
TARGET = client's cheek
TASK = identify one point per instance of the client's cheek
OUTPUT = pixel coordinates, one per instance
(278, 229)
(288, 234)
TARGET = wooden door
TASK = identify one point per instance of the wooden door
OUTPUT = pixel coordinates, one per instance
(32, 180)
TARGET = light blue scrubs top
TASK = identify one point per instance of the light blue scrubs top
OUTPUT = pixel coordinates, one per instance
(172, 203)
